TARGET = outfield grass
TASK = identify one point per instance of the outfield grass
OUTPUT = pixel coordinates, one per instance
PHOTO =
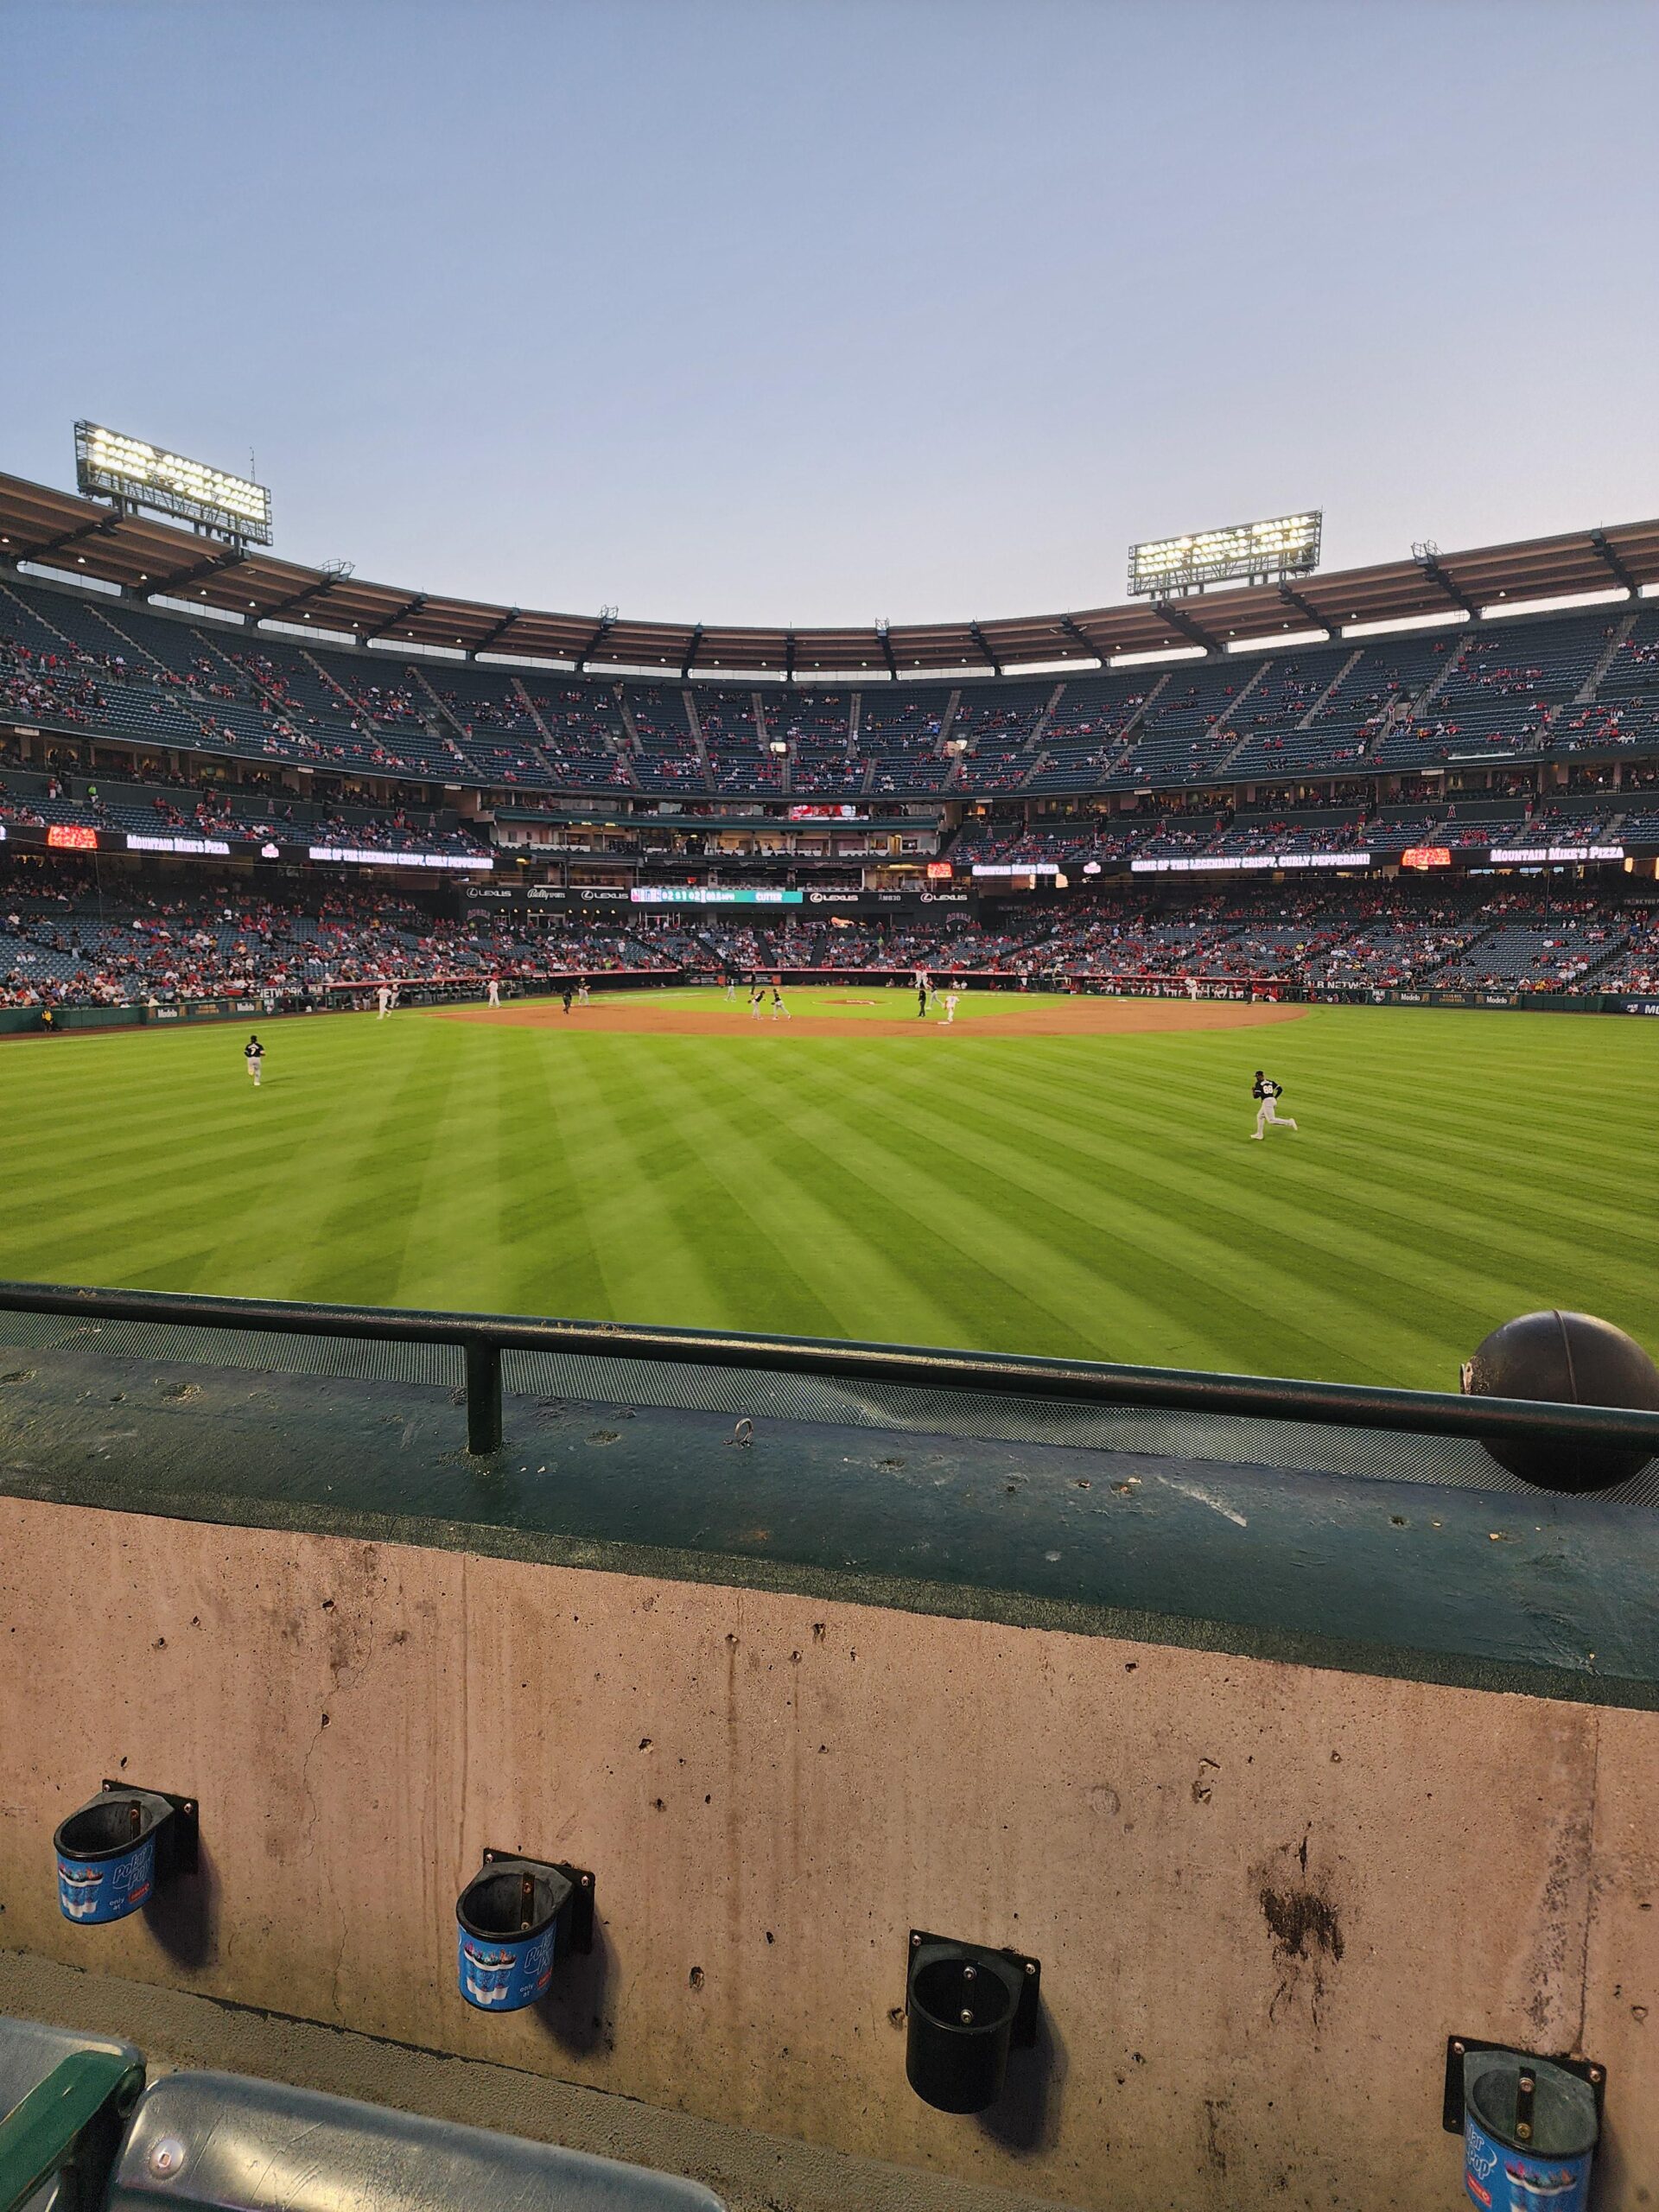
(1090, 1196)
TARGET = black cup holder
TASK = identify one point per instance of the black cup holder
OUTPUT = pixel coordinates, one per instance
(515, 1920)
(967, 2007)
(115, 1851)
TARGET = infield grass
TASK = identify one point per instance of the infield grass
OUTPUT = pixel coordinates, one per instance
(1090, 1196)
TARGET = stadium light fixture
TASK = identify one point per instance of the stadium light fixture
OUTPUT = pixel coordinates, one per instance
(1288, 545)
(134, 475)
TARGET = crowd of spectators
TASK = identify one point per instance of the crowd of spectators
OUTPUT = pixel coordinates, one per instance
(63, 940)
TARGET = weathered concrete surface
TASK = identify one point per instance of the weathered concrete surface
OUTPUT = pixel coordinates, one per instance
(1262, 1894)
(749, 2171)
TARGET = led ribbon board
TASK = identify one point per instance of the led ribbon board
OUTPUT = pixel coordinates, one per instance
(378, 856)
(1288, 546)
(109, 464)
(679, 894)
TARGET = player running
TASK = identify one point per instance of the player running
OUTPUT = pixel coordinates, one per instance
(252, 1052)
(582, 992)
(756, 998)
(1266, 1092)
(777, 1007)
(949, 1007)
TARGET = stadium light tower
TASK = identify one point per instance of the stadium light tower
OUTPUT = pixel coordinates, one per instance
(1246, 552)
(131, 474)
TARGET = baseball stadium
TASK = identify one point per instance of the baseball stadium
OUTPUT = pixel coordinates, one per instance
(843, 1418)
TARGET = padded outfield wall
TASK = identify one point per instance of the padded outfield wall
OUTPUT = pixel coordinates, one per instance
(1284, 1776)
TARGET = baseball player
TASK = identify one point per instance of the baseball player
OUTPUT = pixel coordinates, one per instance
(383, 999)
(493, 996)
(1266, 1092)
(949, 1007)
(252, 1052)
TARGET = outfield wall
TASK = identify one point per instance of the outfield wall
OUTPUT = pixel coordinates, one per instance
(357, 997)
(1263, 1891)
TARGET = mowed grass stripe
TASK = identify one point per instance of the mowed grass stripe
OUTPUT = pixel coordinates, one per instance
(790, 1227)
(1113, 1259)
(1298, 1216)
(1242, 1192)
(1093, 1194)
(896, 1251)
(619, 1170)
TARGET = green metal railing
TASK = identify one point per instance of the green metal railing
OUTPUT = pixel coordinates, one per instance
(69, 2119)
(482, 1338)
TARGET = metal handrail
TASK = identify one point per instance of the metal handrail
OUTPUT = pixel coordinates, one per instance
(484, 1337)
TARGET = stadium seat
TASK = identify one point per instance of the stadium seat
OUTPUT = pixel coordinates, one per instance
(223, 2143)
(30, 2054)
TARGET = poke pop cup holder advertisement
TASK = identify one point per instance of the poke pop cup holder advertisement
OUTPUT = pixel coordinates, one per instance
(115, 1851)
(515, 1920)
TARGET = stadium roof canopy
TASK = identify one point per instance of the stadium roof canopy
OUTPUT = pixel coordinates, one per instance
(153, 559)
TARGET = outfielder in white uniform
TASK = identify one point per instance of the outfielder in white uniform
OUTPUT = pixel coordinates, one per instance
(494, 992)
(383, 999)
(1266, 1092)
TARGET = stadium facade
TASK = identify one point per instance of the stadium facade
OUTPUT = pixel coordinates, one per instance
(1381, 780)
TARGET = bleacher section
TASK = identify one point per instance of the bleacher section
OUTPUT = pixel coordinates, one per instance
(669, 759)
(739, 760)
(899, 733)
(817, 726)
(1498, 699)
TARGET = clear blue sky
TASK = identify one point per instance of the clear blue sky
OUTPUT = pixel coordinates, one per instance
(808, 313)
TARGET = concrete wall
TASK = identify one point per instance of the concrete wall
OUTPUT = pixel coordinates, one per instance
(1262, 1894)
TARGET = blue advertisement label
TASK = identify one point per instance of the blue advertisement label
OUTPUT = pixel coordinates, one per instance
(96, 1890)
(1501, 2180)
(503, 1975)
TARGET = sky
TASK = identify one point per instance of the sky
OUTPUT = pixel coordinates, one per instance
(828, 311)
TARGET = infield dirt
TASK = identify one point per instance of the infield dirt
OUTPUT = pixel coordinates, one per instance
(1081, 1017)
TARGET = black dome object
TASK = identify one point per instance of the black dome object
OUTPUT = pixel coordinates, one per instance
(1573, 1359)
